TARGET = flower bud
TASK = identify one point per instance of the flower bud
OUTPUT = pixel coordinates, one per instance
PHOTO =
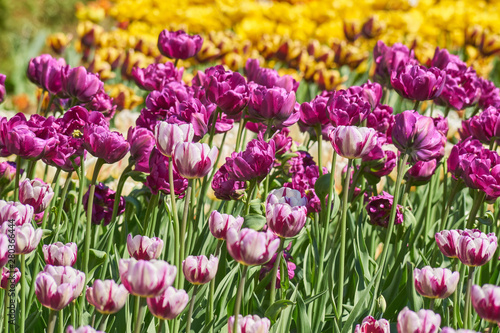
(475, 248)
(371, 325)
(56, 287)
(26, 237)
(423, 321)
(35, 193)
(169, 304)
(435, 282)
(102, 143)
(80, 84)
(249, 324)
(59, 254)
(199, 269)
(250, 247)
(486, 302)
(353, 142)
(178, 44)
(107, 296)
(286, 212)
(146, 278)
(220, 223)
(447, 242)
(144, 248)
(167, 136)
(194, 160)
(6, 280)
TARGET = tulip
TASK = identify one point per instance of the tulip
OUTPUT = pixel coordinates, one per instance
(465, 152)
(275, 106)
(250, 247)
(156, 76)
(144, 248)
(26, 237)
(21, 214)
(486, 126)
(194, 160)
(378, 163)
(199, 269)
(421, 172)
(475, 248)
(35, 193)
(346, 109)
(24, 142)
(486, 302)
(388, 59)
(146, 278)
(158, 178)
(254, 163)
(423, 321)
(141, 142)
(417, 82)
(353, 142)
(417, 136)
(107, 296)
(379, 208)
(79, 84)
(268, 267)
(178, 44)
(286, 212)
(169, 304)
(447, 242)
(435, 282)
(451, 330)
(5, 279)
(249, 324)
(104, 144)
(82, 329)
(7, 171)
(371, 92)
(490, 94)
(104, 200)
(4, 249)
(268, 77)
(59, 254)
(167, 136)
(219, 224)
(226, 188)
(2, 88)
(102, 103)
(314, 113)
(371, 325)
(56, 287)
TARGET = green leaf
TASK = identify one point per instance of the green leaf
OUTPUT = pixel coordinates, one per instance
(138, 176)
(302, 320)
(254, 221)
(274, 310)
(322, 186)
(313, 298)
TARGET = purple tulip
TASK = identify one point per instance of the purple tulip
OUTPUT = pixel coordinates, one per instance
(227, 89)
(371, 92)
(249, 324)
(220, 223)
(490, 94)
(144, 248)
(169, 304)
(5, 279)
(254, 163)
(268, 77)
(389, 59)
(36, 194)
(167, 136)
(141, 142)
(250, 247)
(475, 248)
(286, 212)
(417, 82)
(421, 172)
(4, 249)
(158, 178)
(486, 302)
(3, 92)
(353, 142)
(104, 144)
(378, 163)
(104, 200)
(156, 76)
(8, 171)
(26, 238)
(103, 103)
(346, 109)
(107, 296)
(226, 188)
(371, 325)
(21, 214)
(67, 154)
(51, 76)
(59, 254)
(435, 282)
(463, 153)
(82, 329)
(314, 113)
(56, 287)
(382, 120)
(423, 321)
(199, 269)
(274, 106)
(417, 136)
(484, 175)
(79, 84)
(486, 126)
(379, 208)
(146, 278)
(74, 121)
(178, 44)
(194, 160)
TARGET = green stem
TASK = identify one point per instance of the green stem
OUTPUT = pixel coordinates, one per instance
(30, 173)
(160, 325)
(428, 209)
(212, 129)
(61, 322)
(239, 296)
(104, 322)
(415, 107)
(183, 226)
(319, 137)
(152, 208)
(81, 187)
(401, 168)
(16, 182)
(447, 111)
(467, 310)
(210, 311)
(251, 189)
(177, 245)
(431, 304)
(23, 293)
(176, 61)
(345, 194)
(139, 311)
(52, 321)
(55, 181)
(5, 323)
(240, 130)
(191, 308)
(478, 202)
(274, 272)
(60, 206)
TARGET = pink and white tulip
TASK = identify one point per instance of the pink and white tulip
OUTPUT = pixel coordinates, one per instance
(4, 282)
(59, 254)
(107, 296)
(249, 324)
(476, 248)
(250, 247)
(353, 142)
(486, 302)
(144, 248)
(435, 282)
(169, 304)
(220, 223)
(423, 321)
(199, 269)
(286, 212)
(447, 242)
(82, 329)
(194, 160)
(4, 249)
(21, 214)
(26, 237)
(167, 136)
(371, 325)
(56, 287)
(35, 193)
(146, 278)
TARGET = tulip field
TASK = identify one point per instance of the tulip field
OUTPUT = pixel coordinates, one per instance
(254, 166)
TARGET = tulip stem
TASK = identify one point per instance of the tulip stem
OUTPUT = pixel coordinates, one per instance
(274, 272)
(183, 227)
(139, 313)
(176, 61)
(210, 311)
(191, 308)
(239, 296)
(240, 131)
(467, 312)
(60, 206)
(478, 202)
(52, 321)
(160, 325)
(6, 308)
(415, 107)
(212, 129)
(16, 182)
(401, 168)
(251, 188)
(320, 149)
(40, 102)
(23, 293)
(57, 188)
(345, 194)
(177, 245)
(150, 224)
(431, 304)
(104, 323)
(81, 183)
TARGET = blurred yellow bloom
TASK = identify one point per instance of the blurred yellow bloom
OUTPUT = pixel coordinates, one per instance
(124, 97)
(59, 41)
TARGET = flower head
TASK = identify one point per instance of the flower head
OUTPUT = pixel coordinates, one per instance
(169, 304)
(178, 44)
(435, 282)
(199, 269)
(250, 247)
(59, 254)
(146, 278)
(144, 248)
(107, 296)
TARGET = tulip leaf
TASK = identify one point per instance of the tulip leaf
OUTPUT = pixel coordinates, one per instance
(302, 320)
(274, 310)
(322, 186)
(254, 221)
(138, 176)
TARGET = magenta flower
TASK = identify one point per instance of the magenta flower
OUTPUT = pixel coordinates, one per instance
(268, 77)
(486, 126)
(167, 136)
(104, 144)
(314, 113)
(226, 188)
(199, 269)
(46, 72)
(141, 142)
(378, 163)
(59, 254)
(219, 224)
(178, 44)
(107, 296)
(346, 109)
(484, 175)
(156, 76)
(80, 84)
(421, 172)
(254, 163)
(5, 278)
(274, 106)
(389, 59)
(435, 282)
(447, 242)
(417, 82)
(56, 287)
(104, 200)
(371, 325)
(423, 321)
(25, 236)
(490, 94)
(158, 179)
(417, 136)
(35, 193)
(146, 278)
(486, 302)
(144, 248)
(4, 249)
(371, 92)
(3, 92)
(21, 214)
(463, 153)
(8, 171)
(250, 247)
(194, 160)
(475, 248)
(286, 212)
(379, 209)
(103, 103)
(249, 324)
(353, 142)
(82, 329)
(29, 142)
(169, 304)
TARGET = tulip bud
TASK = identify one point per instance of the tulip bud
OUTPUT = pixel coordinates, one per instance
(275, 105)
(21, 214)
(141, 142)
(249, 324)
(250, 247)
(353, 142)
(435, 282)
(194, 160)
(36, 194)
(107, 296)
(255, 162)
(417, 82)
(451, 330)
(486, 302)
(199, 270)
(220, 223)
(178, 44)
(381, 303)
(5, 279)
(286, 212)
(167, 136)
(144, 248)
(447, 242)
(56, 287)
(169, 304)
(26, 237)
(146, 278)
(372, 325)
(423, 321)
(82, 329)
(421, 172)
(379, 208)
(59, 254)
(80, 84)
(475, 248)
(102, 143)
